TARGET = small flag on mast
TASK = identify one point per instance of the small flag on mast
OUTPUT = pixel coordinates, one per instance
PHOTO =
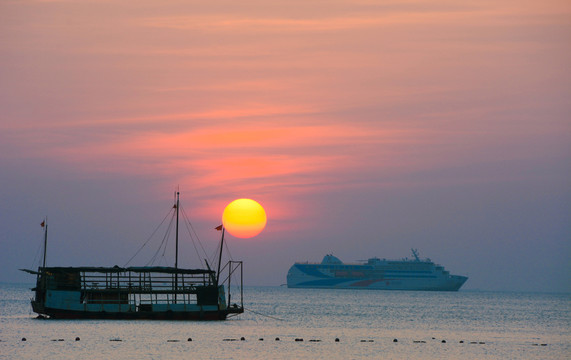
(219, 228)
(43, 223)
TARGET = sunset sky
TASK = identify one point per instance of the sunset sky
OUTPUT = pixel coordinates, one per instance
(364, 128)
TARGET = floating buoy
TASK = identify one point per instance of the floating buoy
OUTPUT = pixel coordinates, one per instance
(23, 339)
(189, 339)
(242, 339)
(461, 341)
(298, 339)
(77, 338)
(336, 339)
(261, 339)
(277, 339)
(395, 340)
(444, 341)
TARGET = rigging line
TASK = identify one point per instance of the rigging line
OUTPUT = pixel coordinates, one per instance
(268, 316)
(228, 250)
(188, 229)
(149, 239)
(194, 244)
(162, 242)
(155, 255)
(167, 236)
(194, 231)
(213, 257)
(37, 257)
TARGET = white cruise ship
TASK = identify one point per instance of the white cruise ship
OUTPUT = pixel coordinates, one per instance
(375, 273)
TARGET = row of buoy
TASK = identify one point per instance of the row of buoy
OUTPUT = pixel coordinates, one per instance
(301, 339)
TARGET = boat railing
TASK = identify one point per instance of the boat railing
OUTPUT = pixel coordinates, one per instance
(231, 275)
(144, 282)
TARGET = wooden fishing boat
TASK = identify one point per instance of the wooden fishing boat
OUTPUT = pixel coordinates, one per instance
(148, 292)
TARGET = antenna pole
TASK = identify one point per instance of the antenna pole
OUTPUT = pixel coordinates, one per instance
(176, 235)
(176, 250)
(220, 257)
(45, 223)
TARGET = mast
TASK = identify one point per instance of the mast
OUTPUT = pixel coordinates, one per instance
(176, 235)
(220, 256)
(41, 293)
(176, 250)
(415, 254)
(45, 226)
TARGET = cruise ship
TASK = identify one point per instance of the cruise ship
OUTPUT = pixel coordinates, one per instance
(375, 273)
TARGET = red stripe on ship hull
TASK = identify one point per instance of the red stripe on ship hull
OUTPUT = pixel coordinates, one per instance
(365, 283)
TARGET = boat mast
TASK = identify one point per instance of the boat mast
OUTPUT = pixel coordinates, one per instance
(176, 234)
(220, 256)
(45, 226)
(176, 250)
(415, 254)
(42, 274)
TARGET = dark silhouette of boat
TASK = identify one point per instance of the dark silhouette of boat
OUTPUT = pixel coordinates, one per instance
(148, 292)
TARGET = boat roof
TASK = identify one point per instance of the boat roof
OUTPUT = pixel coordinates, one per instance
(117, 269)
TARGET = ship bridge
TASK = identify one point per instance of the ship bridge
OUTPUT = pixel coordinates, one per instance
(331, 260)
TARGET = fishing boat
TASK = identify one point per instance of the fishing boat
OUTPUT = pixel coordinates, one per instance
(146, 292)
(374, 273)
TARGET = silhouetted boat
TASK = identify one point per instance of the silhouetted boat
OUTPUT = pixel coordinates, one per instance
(375, 273)
(149, 292)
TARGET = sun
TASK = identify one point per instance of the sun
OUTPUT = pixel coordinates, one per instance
(244, 218)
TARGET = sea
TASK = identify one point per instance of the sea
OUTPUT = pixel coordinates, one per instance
(282, 323)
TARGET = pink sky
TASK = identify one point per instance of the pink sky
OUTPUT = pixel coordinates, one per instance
(363, 127)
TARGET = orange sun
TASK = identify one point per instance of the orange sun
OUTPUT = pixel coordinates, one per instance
(244, 218)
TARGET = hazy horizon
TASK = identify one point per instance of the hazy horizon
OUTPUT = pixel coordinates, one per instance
(364, 128)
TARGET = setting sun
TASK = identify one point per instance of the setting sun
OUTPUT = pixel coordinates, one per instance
(244, 218)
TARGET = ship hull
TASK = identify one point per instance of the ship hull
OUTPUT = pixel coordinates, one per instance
(380, 284)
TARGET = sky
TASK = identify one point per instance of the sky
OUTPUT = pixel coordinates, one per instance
(364, 128)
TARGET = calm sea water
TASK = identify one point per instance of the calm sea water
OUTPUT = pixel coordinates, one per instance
(474, 325)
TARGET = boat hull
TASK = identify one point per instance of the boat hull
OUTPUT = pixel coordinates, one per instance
(154, 293)
(54, 313)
